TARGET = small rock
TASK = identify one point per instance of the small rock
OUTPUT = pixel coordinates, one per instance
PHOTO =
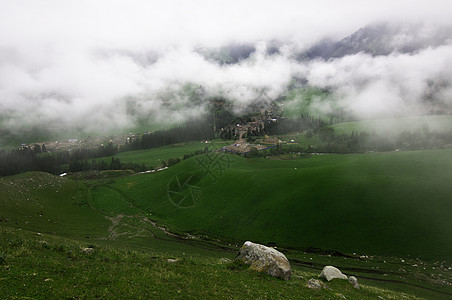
(330, 273)
(264, 259)
(315, 284)
(354, 281)
(341, 296)
(48, 279)
(224, 260)
(87, 250)
(172, 260)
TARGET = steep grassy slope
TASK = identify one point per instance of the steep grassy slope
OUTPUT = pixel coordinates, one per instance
(87, 211)
(46, 266)
(47, 203)
(389, 203)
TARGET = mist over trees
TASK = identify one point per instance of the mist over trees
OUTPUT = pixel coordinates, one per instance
(37, 158)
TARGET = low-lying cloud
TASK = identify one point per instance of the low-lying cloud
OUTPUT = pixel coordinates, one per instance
(388, 86)
(111, 64)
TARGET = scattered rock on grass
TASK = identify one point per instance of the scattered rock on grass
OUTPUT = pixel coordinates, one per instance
(172, 260)
(315, 284)
(354, 281)
(224, 260)
(264, 259)
(87, 250)
(330, 273)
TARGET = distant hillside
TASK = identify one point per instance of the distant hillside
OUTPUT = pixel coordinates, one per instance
(380, 39)
(375, 39)
(395, 126)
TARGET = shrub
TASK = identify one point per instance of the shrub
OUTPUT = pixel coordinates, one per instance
(2, 258)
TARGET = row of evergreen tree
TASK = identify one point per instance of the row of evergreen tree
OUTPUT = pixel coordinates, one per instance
(361, 142)
(37, 158)
(191, 131)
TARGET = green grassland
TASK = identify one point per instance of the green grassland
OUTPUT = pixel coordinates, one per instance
(154, 157)
(46, 203)
(52, 263)
(87, 211)
(47, 266)
(395, 126)
(393, 207)
(385, 203)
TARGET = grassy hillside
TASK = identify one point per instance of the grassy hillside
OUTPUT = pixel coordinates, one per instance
(397, 125)
(47, 266)
(153, 157)
(45, 203)
(87, 211)
(47, 220)
(306, 100)
(389, 203)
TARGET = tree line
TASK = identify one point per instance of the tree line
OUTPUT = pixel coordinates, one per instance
(191, 131)
(360, 142)
(37, 158)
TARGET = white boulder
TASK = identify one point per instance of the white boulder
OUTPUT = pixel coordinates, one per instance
(264, 259)
(330, 273)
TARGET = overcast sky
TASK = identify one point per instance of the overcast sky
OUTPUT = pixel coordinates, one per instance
(72, 61)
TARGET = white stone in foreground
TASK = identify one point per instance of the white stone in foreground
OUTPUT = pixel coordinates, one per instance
(330, 273)
(265, 259)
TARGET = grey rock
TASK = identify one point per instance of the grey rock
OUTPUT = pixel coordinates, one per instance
(224, 260)
(315, 284)
(264, 259)
(354, 281)
(87, 250)
(330, 273)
